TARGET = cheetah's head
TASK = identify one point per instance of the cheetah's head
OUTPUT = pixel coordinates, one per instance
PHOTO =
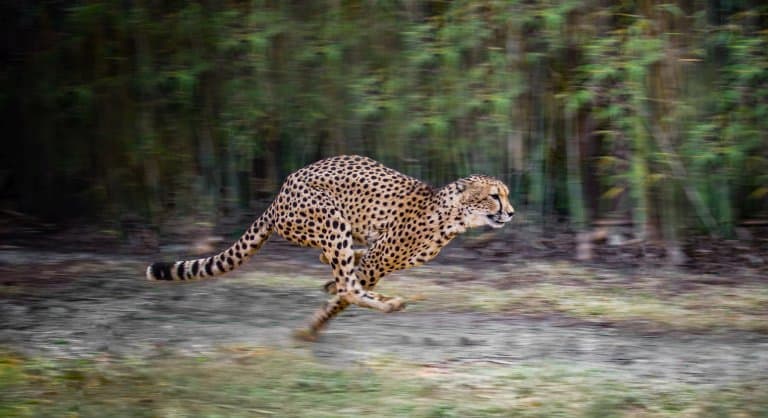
(485, 201)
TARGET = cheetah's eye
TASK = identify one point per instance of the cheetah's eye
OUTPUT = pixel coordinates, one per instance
(495, 196)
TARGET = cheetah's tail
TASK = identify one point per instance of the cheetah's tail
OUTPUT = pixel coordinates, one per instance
(220, 263)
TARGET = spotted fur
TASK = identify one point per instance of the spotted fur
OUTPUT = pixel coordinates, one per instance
(343, 201)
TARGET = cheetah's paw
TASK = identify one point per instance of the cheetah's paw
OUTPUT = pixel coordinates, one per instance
(395, 304)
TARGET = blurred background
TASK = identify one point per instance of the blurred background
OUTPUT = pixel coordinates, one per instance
(651, 115)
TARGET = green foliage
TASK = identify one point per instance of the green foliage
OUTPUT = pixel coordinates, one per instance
(162, 109)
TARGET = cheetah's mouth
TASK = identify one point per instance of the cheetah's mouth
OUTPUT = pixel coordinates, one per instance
(496, 221)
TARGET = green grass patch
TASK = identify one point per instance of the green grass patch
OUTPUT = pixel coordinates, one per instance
(253, 382)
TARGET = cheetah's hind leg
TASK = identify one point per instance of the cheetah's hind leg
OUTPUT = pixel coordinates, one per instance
(330, 286)
(359, 253)
(335, 306)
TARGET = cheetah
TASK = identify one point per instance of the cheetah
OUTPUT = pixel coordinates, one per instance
(343, 201)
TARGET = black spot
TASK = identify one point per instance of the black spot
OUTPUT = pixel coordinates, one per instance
(195, 267)
(230, 261)
(219, 266)
(208, 267)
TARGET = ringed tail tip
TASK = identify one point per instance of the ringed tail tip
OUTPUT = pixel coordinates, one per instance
(160, 271)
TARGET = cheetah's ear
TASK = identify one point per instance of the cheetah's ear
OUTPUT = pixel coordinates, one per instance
(466, 183)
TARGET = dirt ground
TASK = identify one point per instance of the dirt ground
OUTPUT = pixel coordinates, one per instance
(83, 304)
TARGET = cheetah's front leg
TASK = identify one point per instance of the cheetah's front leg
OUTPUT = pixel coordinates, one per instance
(355, 292)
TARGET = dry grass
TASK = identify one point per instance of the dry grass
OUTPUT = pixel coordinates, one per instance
(663, 300)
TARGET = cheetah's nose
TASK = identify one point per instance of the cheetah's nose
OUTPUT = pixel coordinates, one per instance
(511, 213)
